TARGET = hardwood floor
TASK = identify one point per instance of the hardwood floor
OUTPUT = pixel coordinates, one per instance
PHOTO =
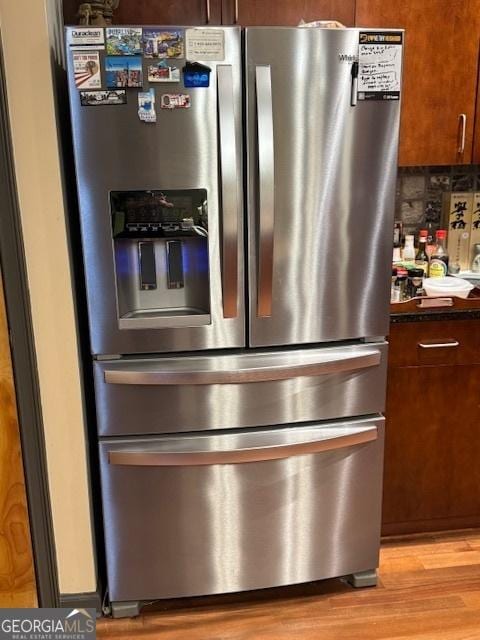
(17, 579)
(429, 590)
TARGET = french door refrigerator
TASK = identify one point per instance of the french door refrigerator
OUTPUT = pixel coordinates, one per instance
(237, 258)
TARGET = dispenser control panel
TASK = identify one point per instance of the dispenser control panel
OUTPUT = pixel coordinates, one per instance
(155, 213)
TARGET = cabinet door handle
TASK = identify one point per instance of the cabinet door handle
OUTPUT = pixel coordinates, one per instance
(235, 17)
(463, 130)
(439, 345)
(207, 7)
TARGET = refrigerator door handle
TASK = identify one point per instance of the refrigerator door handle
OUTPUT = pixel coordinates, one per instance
(271, 368)
(328, 439)
(229, 190)
(266, 190)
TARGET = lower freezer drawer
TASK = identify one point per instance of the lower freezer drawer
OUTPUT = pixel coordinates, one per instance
(205, 514)
(209, 392)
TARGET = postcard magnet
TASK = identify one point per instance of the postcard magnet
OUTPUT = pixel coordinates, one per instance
(196, 75)
(161, 71)
(146, 106)
(96, 98)
(124, 41)
(124, 71)
(86, 69)
(163, 43)
(175, 101)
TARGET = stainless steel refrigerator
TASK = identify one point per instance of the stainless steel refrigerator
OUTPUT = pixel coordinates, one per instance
(237, 257)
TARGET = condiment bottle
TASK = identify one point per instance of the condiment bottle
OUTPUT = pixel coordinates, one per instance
(400, 286)
(439, 259)
(476, 258)
(421, 259)
(409, 249)
(415, 282)
(430, 248)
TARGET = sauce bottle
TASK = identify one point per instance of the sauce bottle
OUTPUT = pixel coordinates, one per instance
(421, 259)
(439, 259)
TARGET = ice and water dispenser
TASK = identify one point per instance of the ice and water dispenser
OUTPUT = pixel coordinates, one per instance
(161, 258)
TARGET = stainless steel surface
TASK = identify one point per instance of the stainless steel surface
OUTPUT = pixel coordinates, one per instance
(195, 530)
(266, 189)
(335, 172)
(250, 367)
(229, 190)
(115, 151)
(463, 131)
(258, 446)
(439, 345)
(127, 409)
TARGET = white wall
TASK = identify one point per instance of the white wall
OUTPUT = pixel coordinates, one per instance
(26, 47)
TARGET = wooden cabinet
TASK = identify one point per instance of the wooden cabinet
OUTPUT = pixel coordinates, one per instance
(286, 12)
(175, 12)
(440, 74)
(432, 445)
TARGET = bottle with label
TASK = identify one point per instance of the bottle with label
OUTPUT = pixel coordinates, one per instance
(399, 291)
(439, 259)
(476, 259)
(409, 249)
(415, 282)
(421, 259)
(430, 240)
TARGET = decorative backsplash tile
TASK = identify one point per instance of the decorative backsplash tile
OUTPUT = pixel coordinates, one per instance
(420, 194)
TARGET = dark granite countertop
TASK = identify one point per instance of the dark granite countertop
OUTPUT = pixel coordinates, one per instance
(452, 309)
(436, 314)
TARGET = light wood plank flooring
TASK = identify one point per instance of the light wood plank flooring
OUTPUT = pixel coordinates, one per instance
(429, 590)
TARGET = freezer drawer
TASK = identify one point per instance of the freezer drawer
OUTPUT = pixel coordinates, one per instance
(204, 514)
(171, 395)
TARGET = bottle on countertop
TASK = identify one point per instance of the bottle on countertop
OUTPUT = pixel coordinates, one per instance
(430, 248)
(476, 259)
(421, 259)
(409, 249)
(399, 292)
(392, 288)
(415, 282)
(438, 267)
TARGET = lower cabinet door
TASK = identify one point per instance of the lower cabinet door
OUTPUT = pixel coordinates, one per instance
(231, 511)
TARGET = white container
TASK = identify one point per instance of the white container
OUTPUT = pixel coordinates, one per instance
(409, 249)
(447, 287)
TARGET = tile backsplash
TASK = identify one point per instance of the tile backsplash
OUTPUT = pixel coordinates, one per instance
(421, 199)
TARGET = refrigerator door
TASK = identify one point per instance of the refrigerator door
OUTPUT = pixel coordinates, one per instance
(202, 514)
(158, 293)
(232, 391)
(321, 184)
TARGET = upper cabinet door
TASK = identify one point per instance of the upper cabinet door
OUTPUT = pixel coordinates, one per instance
(178, 12)
(440, 75)
(286, 12)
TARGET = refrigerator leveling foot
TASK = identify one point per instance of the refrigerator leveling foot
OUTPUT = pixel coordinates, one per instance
(362, 579)
(126, 609)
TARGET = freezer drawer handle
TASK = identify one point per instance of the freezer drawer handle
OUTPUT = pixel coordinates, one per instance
(282, 370)
(276, 451)
(229, 190)
(266, 190)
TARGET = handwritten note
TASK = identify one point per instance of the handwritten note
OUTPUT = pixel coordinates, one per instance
(379, 66)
